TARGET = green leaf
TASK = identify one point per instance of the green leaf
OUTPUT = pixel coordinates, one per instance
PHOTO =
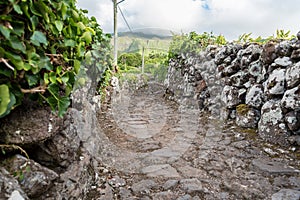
(63, 105)
(81, 26)
(17, 44)
(34, 10)
(59, 25)
(10, 105)
(16, 60)
(52, 77)
(32, 80)
(88, 57)
(77, 65)
(6, 72)
(57, 102)
(17, 9)
(4, 99)
(18, 28)
(64, 11)
(80, 49)
(27, 66)
(5, 31)
(21, 176)
(24, 7)
(52, 102)
(45, 63)
(46, 78)
(46, 17)
(65, 78)
(59, 69)
(34, 22)
(70, 43)
(38, 38)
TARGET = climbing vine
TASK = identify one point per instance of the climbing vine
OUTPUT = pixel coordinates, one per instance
(42, 46)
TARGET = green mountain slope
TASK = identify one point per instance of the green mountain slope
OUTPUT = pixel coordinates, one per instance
(134, 42)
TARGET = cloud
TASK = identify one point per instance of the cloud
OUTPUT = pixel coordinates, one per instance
(228, 17)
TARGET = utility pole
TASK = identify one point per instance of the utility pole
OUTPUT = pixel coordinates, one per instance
(143, 57)
(115, 63)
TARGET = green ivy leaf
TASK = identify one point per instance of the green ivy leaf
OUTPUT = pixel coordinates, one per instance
(4, 99)
(45, 63)
(27, 66)
(77, 65)
(56, 101)
(17, 44)
(34, 22)
(6, 72)
(34, 10)
(5, 31)
(16, 60)
(52, 77)
(64, 11)
(46, 78)
(32, 79)
(65, 78)
(17, 9)
(81, 26)
(59, 69)
(18, 28)
(59, 25)
(38, 38)
(24, 7)
(87, 37)
(70, 43)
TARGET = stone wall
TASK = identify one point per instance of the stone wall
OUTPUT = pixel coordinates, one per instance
(256, 85)
(63, 153)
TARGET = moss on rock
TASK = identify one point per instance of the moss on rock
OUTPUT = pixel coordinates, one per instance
(242, 109)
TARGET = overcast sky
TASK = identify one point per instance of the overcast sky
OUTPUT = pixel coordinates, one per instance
(230, 18)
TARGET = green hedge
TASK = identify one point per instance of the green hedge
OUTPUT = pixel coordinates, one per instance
(42, 45)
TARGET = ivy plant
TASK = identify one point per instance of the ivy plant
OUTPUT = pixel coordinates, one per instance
(42, 46)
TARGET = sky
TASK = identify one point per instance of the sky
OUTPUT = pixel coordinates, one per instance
(230, 18)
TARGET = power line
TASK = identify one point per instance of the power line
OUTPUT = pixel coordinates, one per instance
(123, 16)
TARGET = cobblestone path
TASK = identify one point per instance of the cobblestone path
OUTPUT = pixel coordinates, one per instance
(156, 149)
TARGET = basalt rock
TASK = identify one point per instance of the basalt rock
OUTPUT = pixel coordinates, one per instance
(268, 54)
(247, 117)
(291, 99)
(264, 78)
(230, 96)
(292, 75)
(33, 178)
(271, 126)
(30, 124)
(255, 96)
(293, 121)
(10, 187)
(63, 150)
(275, 85)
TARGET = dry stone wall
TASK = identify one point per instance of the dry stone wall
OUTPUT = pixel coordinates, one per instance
(63, 152)
(256, 85)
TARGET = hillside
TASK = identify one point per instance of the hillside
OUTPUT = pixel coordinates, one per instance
(135, 41)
